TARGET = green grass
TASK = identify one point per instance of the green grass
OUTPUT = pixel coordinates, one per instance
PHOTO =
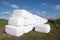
(3, 22)
(55, 23)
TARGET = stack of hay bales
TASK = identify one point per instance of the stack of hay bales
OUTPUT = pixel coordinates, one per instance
(44, 28)
(41, 25)
(19, 23)
(22, 21)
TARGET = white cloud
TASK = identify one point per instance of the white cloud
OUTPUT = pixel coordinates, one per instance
(6, 3)
(42, 14)
(11, 5)
(44, 5)
(14, 6)
(5, 13)
(57, 7)
(58, 14)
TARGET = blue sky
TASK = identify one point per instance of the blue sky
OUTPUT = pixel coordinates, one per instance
(44, 8)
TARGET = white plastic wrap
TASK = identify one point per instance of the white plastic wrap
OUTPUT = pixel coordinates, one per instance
(30, 22)
(40, 20)
(28, 28)
(13, 30)
(22, 21)
(18, 21)
(29, 16)
(22, 13)
(45, 28)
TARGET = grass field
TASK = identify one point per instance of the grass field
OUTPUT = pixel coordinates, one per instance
(53, 35)
(3, 22)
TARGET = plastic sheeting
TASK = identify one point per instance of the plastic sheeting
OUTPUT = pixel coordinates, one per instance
(18, 21)
(22, 13)
(28, 28)
(45, 28)
(22, 21)
(40, 20)
(30, 22)
(14, 30)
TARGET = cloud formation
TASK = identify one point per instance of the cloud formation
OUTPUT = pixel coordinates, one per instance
(42, 14)
(11, 5)
(57, 7)
(44, 4)
(5, 13)
(14, 6)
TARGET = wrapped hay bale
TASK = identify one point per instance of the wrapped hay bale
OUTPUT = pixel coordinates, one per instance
(22, 13)
(18, 21)
(40, 20)
(28, 28)
(44, 28)
(14, 30)
(22, 21)
(30, 22)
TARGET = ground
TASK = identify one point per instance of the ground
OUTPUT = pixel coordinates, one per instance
(53, 35)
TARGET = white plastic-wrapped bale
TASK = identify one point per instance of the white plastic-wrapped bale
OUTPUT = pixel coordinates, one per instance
(40, 20)
(44, 28)
(28, 28)
(22, 13)
(30, 22)
(18, 21)
(14, 30)
(29, 16)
